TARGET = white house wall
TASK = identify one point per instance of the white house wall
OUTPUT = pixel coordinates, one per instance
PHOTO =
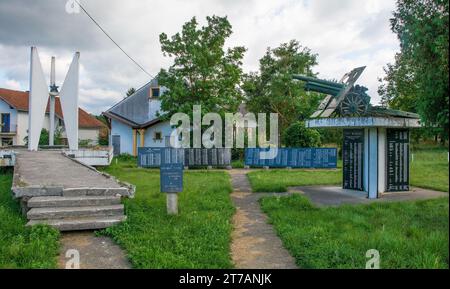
(21, 120)
(22, 127)
(126, 136)
(5, 108)
(89, 134)
(165, 130)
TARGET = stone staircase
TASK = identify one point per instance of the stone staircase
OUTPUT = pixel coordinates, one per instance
(72, 213)
(56, 190)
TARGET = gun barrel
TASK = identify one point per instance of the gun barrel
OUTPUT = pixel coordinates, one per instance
(310, 86)
(328, 84)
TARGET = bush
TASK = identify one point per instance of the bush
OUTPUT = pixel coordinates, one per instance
(103, 140)
(297, 135)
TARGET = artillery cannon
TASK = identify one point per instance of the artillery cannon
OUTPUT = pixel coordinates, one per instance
(344, 98)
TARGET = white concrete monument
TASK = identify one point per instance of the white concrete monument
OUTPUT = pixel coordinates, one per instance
(39, 96)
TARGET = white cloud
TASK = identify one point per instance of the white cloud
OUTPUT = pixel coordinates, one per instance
(12, 84)
(345, 34)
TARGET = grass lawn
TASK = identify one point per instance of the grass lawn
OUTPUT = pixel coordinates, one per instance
(407, 234)
(428, 170)
(280, 180)
(199, 237)
(20, 246)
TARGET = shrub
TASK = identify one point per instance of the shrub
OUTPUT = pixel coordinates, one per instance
(297, 135)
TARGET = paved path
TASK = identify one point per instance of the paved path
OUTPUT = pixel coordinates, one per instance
(323, 196)
(95, 252)
(51, 168)
(255, 245)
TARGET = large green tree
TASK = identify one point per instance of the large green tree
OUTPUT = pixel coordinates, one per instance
(418, 80)
(204, 72)
(272, 89)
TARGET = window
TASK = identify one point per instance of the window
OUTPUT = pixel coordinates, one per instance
(6, 142)
(155, 92)
(158, 136)
(5, 122)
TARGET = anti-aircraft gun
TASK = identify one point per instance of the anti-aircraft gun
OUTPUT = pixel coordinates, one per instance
(345, 99)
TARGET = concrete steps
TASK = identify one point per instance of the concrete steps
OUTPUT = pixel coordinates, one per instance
(81, 223)
(80, 201)
(71, 213)
(74, 212)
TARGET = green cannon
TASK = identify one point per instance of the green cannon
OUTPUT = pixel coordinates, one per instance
(345, 98)
(319, 85)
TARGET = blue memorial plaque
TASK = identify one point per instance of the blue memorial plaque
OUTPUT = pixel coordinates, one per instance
(319, 158)
(171, 176)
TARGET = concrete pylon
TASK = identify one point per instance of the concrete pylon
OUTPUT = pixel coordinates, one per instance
(37, 102)
(69, 102)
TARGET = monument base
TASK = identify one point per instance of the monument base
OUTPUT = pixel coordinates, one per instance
(375, 152)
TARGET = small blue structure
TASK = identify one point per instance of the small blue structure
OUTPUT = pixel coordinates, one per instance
(319, 158)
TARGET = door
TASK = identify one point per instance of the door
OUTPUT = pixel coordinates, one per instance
(116, 144)
(6, 122)
(167, 141)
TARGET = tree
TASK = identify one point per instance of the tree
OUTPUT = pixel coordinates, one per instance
(203, 73)
(418, 80)
(273, 90)
(297, 135)
(44, 137)
(130, 91)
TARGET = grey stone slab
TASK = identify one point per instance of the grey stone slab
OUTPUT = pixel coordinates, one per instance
(31, 191)
(80, 223)
(74, 212)
(83, 201)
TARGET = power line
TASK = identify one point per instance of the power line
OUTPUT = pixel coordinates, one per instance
(103, 30)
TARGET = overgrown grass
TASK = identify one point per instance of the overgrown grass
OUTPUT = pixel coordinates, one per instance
(429, 169)
(407, 234)
(199, 237)
(20, 246)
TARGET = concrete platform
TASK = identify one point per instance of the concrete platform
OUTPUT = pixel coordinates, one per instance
(56, 190)
(336, 196)
(49, 173)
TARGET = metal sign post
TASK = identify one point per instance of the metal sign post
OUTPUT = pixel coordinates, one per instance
(171, 178)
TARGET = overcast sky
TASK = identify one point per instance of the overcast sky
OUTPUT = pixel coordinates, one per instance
(344, 33)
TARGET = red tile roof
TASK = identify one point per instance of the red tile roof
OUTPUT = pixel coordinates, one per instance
(19, 100)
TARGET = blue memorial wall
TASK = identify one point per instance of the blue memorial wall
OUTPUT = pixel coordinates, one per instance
(155, 157)
(319, 158)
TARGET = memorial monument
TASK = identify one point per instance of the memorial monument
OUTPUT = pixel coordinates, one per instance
(375, 149)
(39, 97)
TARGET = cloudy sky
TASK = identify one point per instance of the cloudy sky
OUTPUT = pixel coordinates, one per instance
(344, 33)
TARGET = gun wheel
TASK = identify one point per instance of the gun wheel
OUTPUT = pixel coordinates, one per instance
(353, 105)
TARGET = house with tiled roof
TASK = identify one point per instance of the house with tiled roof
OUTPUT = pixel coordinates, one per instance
(14, 120)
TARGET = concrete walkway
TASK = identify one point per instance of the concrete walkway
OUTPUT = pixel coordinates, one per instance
(255, 245)
(324, 196)
(94, 252)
